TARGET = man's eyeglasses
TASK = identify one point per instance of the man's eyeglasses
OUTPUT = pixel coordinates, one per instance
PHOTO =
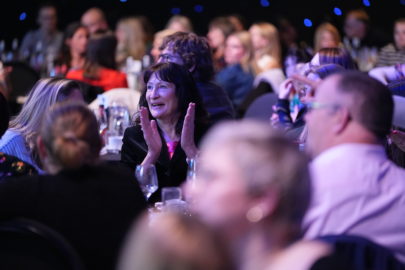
(314, 105)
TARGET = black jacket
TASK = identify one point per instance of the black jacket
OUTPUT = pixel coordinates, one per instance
(171, 172)
(93, 208)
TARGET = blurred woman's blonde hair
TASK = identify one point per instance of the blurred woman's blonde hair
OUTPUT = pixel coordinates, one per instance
(320, 30)
(45, 93)
(270, 33)
(173, 241)
(246, 42)
(133, 43)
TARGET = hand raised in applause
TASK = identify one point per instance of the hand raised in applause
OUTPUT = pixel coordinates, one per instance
(151, 136)
(187, 134)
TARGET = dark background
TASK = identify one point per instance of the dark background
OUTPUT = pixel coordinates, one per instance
(382, 13)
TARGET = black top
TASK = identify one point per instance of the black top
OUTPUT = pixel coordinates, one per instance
(216, 101)
(171, 172)
(92, 207)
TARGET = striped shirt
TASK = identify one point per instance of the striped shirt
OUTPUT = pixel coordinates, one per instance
(389, 56)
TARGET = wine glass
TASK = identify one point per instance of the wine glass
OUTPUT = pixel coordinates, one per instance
(147, 178)
(191, 170)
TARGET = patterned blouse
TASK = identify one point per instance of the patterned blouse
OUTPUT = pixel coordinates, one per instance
(12, 166)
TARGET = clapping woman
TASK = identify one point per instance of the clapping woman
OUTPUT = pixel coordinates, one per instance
(170, 123)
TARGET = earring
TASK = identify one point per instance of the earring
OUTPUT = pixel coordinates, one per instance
(254, 214)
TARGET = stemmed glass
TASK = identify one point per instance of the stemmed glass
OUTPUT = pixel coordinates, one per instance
(191, 171)
(147, 178)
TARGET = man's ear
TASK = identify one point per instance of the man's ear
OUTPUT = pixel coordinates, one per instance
(342, 119)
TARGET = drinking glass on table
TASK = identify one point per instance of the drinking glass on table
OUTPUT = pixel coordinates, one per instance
(147, 178)
(172, 200)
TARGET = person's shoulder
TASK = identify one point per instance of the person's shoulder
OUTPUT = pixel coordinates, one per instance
(388, 48)
(300, 255)
(11, 137)
(111, 72)
(11, 166)
(75, 74)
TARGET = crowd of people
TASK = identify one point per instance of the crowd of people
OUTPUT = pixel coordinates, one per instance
(319, 185)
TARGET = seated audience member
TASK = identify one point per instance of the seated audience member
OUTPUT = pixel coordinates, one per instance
(100, 66)
(267, 63)
(91, 204)
(173, 241)
(131, 40)
(253, 189)
(361, 40)
(171, 122)
(356, 189)
(45, 42)
(10, 166)
(218, 31)
(94, 20)
(237, 77)
(326, 36)
(394, 53)
(180, 23)
(19, 139)
(193, 52)
(73, 51)
(266, 47)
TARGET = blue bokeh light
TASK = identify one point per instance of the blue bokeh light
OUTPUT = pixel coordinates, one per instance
(402, 2)
(366, 3)
(123, 1)
(23, 16)
(337, 11)
(307, 22)
(176, 10)
(198, 8)
(264, 3)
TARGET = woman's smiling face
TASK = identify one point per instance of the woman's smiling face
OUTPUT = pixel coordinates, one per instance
(161, 98)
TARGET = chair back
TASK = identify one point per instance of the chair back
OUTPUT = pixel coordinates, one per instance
(360, 253)
(261, 107)
(27, 244)
(399, 111)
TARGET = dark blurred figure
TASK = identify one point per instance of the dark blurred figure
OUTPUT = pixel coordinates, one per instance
(95, 21)
(91, 204)
(40, 47)
(218, 31)
(361, 40)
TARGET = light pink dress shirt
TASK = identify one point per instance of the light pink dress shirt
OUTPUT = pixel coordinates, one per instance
(357, 190)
